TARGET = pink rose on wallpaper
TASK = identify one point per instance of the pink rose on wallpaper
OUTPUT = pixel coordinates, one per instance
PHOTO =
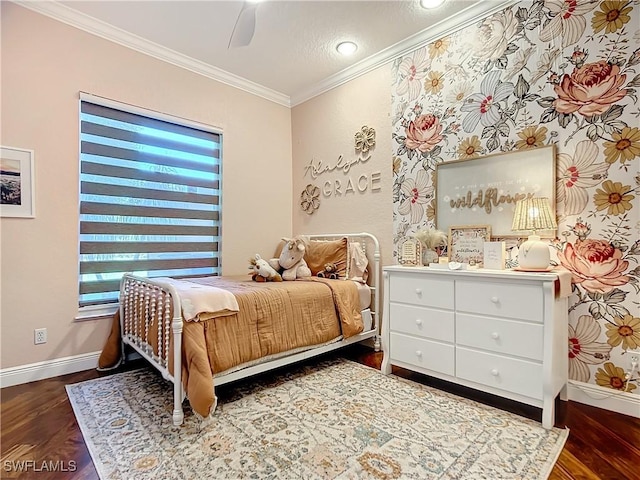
(595, 264)
(423, 133)
(590, 89)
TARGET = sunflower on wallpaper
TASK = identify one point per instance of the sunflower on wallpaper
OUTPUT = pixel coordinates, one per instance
(539, 73)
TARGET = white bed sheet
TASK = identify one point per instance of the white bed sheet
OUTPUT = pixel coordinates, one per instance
(364, 293)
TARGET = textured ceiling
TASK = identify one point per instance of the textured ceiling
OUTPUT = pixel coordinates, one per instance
(292, 52)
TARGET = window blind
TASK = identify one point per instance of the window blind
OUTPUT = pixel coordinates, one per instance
(149, 200)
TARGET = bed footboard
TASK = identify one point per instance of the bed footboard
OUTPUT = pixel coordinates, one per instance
(371, 248)
(150, 313)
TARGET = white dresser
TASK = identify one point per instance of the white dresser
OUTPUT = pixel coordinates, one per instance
(502, 332)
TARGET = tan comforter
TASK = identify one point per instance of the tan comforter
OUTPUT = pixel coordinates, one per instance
(273, 318)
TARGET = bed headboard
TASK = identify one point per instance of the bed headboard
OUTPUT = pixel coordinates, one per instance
(371, 247)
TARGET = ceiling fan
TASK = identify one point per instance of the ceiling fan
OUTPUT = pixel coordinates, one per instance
(245, 25)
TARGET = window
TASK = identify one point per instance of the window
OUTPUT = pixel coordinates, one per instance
(149, 198)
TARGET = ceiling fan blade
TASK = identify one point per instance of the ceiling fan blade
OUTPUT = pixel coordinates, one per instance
(245, 26)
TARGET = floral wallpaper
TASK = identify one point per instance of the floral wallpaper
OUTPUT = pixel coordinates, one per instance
(540, 72)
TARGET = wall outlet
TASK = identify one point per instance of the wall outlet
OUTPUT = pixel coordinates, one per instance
(40, 336)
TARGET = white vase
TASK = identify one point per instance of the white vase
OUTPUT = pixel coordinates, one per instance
(429, 256)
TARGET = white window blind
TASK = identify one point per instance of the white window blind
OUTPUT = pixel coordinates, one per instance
(149, 199)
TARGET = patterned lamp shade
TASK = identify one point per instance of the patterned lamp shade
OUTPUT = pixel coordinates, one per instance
(532, 214)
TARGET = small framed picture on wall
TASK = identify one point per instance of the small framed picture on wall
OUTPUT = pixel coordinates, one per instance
(18, 185)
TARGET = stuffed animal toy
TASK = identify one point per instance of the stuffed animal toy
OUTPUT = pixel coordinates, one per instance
(291, 263)
(330, 271)
(262, 271)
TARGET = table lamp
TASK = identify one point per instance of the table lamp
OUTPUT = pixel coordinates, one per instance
(533, 214)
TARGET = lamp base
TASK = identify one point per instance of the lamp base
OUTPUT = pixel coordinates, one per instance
(533, 255)
(543, 270)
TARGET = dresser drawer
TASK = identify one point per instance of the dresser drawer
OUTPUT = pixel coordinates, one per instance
(510, 374)
(422, 353)
(422, 322)
(421, 290)
(509, 300)
(508, 337)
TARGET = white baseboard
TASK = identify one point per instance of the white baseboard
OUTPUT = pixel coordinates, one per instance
(50, 368)
(606, 398)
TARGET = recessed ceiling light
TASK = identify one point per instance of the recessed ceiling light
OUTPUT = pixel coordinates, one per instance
(346, 48)
(431, 3)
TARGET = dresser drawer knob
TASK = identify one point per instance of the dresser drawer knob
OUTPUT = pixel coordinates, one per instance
(418, 321)
(495, 335)
(495, 299)
(495, 372)
(418, 353)
(418, 291)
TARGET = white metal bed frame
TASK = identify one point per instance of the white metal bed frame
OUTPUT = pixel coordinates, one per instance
(149, 298)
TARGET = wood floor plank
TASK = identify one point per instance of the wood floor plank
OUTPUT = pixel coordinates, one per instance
(38, 423)
(569, 466)
(594, 460)
(617, 458)
(614, 423)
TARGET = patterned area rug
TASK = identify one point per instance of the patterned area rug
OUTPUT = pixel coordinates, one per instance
(336, 419)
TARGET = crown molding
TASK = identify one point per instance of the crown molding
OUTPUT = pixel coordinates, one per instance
(463, 19)
(64, 14)
(72, 17)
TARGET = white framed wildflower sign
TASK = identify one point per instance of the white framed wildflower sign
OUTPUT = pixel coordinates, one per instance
(484, 190)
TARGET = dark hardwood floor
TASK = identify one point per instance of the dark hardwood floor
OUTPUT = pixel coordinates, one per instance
(38, 425)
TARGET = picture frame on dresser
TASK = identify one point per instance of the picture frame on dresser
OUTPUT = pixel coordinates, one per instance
(495, 255)
(466, 243)
(410, 253)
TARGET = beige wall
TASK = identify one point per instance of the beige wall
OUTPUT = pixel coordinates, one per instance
(323, 129)
(45, 64)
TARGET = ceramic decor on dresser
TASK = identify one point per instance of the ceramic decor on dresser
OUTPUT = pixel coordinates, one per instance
(500, 332)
